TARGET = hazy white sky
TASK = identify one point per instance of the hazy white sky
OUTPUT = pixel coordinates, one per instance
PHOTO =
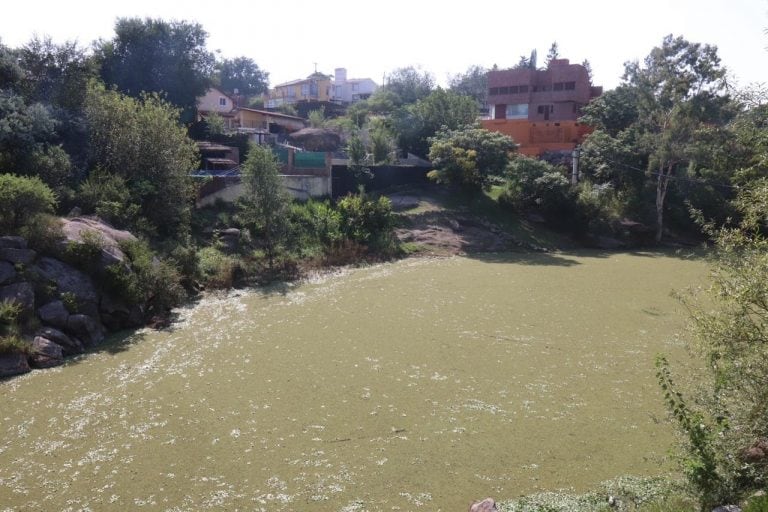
(370, 38)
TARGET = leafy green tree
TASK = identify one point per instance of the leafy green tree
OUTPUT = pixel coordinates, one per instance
(23, 198)
(588, 66)
(473, 82)
(614, 111)
(469, 156)
(382, 145)
(141, 141)
(243, 74)
(359, 159)
(415, 123)
(408, 85)
(11, 73)
(157, 56)
(316, 118)
(266, 203)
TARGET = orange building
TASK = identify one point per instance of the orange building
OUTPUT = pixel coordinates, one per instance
(539, 109)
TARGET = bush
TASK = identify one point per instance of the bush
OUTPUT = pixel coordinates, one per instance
(86, 253)
(107, 196)
(149, 280)
(216, 269)
(22, 199)
(10, 339)
(43, 233)
(366, 220)
(315, 227)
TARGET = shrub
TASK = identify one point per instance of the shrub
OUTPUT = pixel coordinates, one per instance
(149, 280)
(107, 196)
(86, 253)
(366, 220)
(216, 268)
(43, 233)
(22, 199)
(315, 227)
(10, 339)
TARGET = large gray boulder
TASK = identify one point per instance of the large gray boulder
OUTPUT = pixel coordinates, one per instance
(22, 293)
(13, 364)
(55, 314)
(70, 346)
(13, 255)
(45, 353)
(486, 505)
(78, 229)
(86, 329)
(116, 314)
(70, 280)
(7, 272)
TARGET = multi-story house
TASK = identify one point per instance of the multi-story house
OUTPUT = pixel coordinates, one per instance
(349, 90)
(315, 88)
(540, 108)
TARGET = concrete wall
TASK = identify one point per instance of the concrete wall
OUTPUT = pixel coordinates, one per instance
(300, 187)
(211, 102)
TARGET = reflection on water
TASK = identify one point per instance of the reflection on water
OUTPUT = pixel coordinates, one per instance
(421, 384)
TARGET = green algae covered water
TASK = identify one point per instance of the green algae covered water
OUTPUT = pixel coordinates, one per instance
(416, 385)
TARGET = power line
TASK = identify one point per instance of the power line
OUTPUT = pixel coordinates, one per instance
(671, 177)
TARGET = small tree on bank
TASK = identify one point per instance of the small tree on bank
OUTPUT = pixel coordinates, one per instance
(265, 206)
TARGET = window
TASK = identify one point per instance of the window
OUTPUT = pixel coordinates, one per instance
(523, 88)
(493, 91)
(570, 86)
(305, 90)
(503, 90)
(514, 89)
(558, 86)
(223, 102)
(518, 111)
(355, 86)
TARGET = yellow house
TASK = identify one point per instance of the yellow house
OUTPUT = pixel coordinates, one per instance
(316, 87)
(248, 119)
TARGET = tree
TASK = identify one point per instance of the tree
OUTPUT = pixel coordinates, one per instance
(726, 425)
(153, 55)
(141, 141)
(469, 156)
(22, 198)
(409, 85)
(657, 119)
(415, 123)
(242, 74)
(552, 54)
(266, 202)
(588, 66)
(473, 82)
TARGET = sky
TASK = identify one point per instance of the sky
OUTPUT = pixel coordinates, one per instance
(289, 38)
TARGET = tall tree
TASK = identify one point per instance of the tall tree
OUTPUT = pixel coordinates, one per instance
(266, 201)
(588, 66)
(409, 85)
(242, 74)
(473, 82)
(141, 142)
(553, 53)
(677, 87)
(153, 55)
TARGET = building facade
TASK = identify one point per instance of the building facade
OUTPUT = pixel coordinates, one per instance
(316, 87)
(349, 90)
(540, 109)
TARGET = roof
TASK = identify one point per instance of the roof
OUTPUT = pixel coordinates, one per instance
(273, 114)
(220, 92)
(224, 161)
(212, 146)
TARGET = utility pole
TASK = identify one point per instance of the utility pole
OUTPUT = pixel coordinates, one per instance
(575, 171)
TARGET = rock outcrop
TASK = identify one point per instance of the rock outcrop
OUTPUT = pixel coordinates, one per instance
(73, 310)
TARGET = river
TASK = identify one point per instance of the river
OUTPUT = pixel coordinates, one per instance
(420, 384)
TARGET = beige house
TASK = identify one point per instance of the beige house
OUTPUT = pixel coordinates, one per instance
(259, 123)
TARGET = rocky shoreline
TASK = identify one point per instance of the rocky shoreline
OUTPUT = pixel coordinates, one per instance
(63, 310)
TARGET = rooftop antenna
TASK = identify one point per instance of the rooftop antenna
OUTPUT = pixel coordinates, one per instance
(315, 63)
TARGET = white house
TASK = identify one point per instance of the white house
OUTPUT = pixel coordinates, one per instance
(350, 90)
(215, 101)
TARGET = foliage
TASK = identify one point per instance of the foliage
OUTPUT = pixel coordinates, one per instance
(149, 280)
(216, 269)
(43, 233)
(140, 141)
(408, 85)
(359, 159)
(315, 227)
(87, 252)
(473, 82)
(22, 198)
(243, 74)
(382, 145)
(265, 203)
(415, 123)
(288, 109)
(366, 220)
(469, 156)
(316, 118)
(729, 323)
(10, 333)
(552, 54)
(157, 56)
